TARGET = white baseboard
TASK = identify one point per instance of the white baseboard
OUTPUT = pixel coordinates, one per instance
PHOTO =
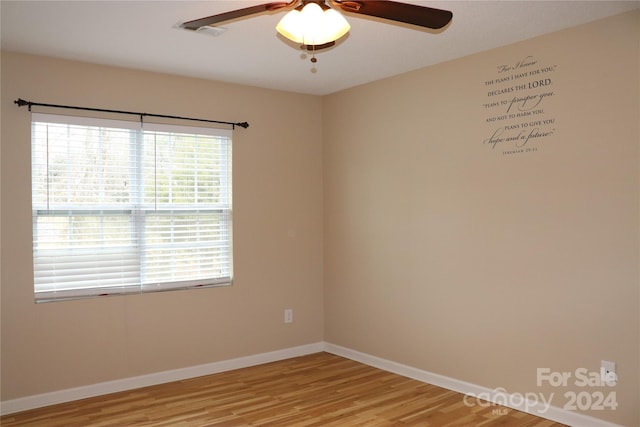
(62, 396)
(553, 413)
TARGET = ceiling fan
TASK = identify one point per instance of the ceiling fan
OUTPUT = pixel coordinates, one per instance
(316, 24)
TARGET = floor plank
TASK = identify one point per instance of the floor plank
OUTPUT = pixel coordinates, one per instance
(318, 390)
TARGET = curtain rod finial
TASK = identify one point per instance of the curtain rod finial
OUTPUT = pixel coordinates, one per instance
(243, 124)
(21, 102)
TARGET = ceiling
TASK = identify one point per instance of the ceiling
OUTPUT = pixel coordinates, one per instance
(143, 35)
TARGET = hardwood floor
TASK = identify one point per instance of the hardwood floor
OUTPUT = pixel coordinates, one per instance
(315, 390)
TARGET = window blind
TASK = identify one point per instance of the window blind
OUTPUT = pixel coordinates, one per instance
(118, 208)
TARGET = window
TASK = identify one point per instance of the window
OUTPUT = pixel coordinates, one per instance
(119, 209)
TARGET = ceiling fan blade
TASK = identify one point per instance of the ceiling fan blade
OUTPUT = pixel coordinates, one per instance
(234, 14)
(401, 12)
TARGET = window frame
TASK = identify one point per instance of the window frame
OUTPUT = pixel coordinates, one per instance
(141, 210)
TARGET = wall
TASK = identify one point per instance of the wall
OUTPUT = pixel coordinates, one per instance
(483, 264)
(277, 236)
(440, 252)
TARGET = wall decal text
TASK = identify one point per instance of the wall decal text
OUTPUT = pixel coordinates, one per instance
(519, 101)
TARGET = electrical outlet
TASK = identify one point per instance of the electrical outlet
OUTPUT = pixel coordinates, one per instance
(608, 372)
(288, 315)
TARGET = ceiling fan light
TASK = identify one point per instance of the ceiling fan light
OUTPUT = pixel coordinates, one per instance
(337, 24)
(291, 26)
(312, 25)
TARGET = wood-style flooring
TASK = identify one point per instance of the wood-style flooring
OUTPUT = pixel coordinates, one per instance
(316, 390)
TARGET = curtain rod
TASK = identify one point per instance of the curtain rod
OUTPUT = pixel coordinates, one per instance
(21, 103)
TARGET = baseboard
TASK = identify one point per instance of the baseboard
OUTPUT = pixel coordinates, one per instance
(68, 395)
(552, 413)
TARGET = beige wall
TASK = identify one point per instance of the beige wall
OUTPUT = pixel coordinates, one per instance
(277, 193)
(444, 254)
(439, 252)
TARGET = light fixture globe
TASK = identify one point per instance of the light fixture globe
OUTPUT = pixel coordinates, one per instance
(310, 25)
